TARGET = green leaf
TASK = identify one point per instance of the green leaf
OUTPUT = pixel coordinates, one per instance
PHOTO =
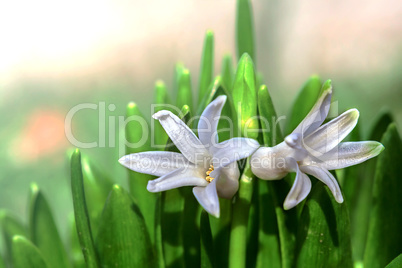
(123, 239)
(244, 29)
(380, 125)
(81, 211)
(184, 94)
(303, 103)
(137, 133)
(241, 209)
(245, 97)
(207, 65)
(75, 249)
(395, 263)
(97, 186)
(43, 230)
(25, 254)
(227, 72)
(2, 263)
(162, 102)
(207, 247)
(384, 236)
(10, 226)
(323, 238)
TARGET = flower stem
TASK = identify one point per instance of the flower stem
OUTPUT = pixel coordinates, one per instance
(241, 209)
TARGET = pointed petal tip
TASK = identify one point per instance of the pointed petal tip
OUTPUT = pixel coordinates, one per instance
(378, 149)
(123, 160)
(151, 187)
(289, 204)
(160, 114)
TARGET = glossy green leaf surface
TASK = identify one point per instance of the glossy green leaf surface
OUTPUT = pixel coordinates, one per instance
(81, 211)
(43, 230)
(10, 226)
(323, 238)
(25, 254)
(207, 65)
(161, 102)
(184, 94)
(227, 72)
(384, 237)
(303, 103)
(244, 29)
(2, 263)
(245, 97)
(395, 263)
(122, 239)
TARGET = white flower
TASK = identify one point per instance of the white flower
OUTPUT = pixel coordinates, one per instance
(204, 163)
(314, 149)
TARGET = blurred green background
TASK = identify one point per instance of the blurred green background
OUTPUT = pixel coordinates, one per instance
(56, 55)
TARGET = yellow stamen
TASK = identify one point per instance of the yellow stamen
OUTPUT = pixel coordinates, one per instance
(208, 178)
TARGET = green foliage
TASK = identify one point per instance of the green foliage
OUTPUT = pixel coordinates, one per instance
(244, 29)
(25, 254)
(207, 64)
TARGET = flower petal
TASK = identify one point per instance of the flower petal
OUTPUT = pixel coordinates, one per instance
(228, 182)
(232, 150)
(316, 115)
(300, 189)
(208, 122)
(208, 198)
(155, 163)
(326, 177)
(326, 137)
(182, 136)
(177, 178)
(349, 153)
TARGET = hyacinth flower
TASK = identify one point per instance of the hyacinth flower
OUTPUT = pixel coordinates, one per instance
(211, 167)
(314, 149)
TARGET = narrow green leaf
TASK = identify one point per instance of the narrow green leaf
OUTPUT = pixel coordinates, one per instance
(244, 29)
(43, 230)
(76, 255)
(184, 94)
(137, 136)
(207, 65)
(10, 226)
(97, 186)
(123, 239)
(81, 211)
(303, 103)
(323, 238)
(207, 247)
(380, 125)
(384, 236)
(395, 263)
(245, 97)
(241, 209)
(162, 102)
(25, 254)
(227, 72)
(2, 263)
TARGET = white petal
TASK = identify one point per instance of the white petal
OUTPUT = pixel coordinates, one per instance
(155, 163)
(326, 177)
(232, 150)
(208, 122)
(349, 153)
(178, 178)
(208, 198)
(300, 189)
(269, 163)
(316, 115)
(331, 134)
(182, 136)
(228, 182)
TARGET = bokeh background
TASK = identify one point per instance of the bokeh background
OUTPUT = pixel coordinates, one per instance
(55, 55)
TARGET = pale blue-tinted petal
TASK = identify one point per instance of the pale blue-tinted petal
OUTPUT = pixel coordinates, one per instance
(182, 136)
(208, 122)
(328, 136)
(178, 178)
(228, 182)
(232, 150)
(326, 177)
(155, 163)
(269, 163)
(348, 154)
(317, 114)
(300, 189)
(208, 198)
